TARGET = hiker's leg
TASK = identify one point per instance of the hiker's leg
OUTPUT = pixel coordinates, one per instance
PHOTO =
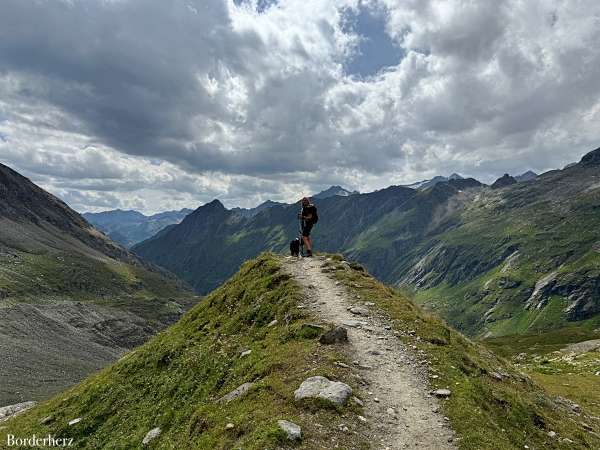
(307, 242)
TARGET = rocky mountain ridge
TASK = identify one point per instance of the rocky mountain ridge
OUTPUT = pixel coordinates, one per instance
(473, 253)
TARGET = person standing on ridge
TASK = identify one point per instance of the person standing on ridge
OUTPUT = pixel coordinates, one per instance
(309, 217)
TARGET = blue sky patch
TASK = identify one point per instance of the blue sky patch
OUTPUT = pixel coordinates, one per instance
(376, 50)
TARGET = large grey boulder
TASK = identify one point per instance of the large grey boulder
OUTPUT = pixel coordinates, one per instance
(293, 431)
(334, 392)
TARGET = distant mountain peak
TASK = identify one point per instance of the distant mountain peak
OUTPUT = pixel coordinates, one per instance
(334, 191)
(216, 203)
(504, 181)
(527, 176)
(425, 184)
(592, 159)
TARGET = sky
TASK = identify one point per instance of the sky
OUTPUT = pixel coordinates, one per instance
(158, 105)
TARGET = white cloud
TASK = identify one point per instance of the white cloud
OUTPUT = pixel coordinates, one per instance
(246, 106)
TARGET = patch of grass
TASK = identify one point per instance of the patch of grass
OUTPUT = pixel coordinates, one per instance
(486, 412)
(560, 373)
(175, 380)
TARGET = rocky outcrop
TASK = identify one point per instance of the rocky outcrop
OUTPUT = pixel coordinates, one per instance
(10, 411)
(504, 181)
(592, 159)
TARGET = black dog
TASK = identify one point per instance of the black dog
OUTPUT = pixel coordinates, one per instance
(295, 247)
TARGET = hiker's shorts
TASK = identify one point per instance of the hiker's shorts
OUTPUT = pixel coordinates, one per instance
(306, 229)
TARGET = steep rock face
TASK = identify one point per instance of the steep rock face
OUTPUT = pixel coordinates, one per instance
(592, 159)
(22, 201)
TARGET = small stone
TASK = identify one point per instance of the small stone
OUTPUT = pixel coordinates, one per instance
(376, 400)
(338, 335)
(46, 420)
(369, 304)
(497, 376)
(362, 419)
(293, 431)
(229, 426)
(359, 311)
(358, 401)
(75, 421)
(245, 353)
(151, 435)
(442, 393)
(341, 364)
(374, 352)
(552, 434)
(272, 323)
(391, 411)
(236, 393)
(353, 323)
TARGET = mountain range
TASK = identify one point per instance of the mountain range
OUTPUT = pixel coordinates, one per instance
(130, 227)
(71, 300)
(520, 257)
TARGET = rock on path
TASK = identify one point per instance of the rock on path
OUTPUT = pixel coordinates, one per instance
(321, 388)
(393, 376)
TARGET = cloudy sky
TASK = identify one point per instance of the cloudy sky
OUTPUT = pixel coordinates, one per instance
(155, 105)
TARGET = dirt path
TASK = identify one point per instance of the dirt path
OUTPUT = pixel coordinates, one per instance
(402, 413)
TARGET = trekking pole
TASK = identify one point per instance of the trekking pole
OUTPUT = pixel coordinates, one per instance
(300, 222)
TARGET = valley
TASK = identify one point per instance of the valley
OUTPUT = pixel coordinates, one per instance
(71, 300)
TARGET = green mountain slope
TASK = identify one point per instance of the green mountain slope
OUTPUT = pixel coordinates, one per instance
(175, 380)
(71, 300)
(492, 261)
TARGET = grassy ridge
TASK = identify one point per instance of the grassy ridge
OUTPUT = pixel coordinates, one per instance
(493, 404)
(174, 380)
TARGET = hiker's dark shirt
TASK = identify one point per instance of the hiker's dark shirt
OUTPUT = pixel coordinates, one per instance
(309, 210)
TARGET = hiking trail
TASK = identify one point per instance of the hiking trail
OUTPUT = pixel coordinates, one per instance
(397, 403)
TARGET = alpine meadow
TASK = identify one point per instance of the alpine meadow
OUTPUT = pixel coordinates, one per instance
(300, 224)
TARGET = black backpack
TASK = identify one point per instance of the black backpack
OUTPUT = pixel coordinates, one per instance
(315, 218)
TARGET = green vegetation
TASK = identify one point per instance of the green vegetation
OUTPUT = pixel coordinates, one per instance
(562, 372)
(174, 381)
(474, 255)
(493, 405)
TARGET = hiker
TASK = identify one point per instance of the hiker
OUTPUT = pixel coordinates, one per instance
(309, 217)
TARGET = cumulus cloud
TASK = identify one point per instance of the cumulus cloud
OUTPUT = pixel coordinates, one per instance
(159, 105)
